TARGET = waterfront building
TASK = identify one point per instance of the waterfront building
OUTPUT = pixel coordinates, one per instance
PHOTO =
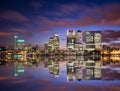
(93, 40)
(19, 51)
(70, 39)
(79, 43)
(54, 43)
(78, 40)
(51, 43)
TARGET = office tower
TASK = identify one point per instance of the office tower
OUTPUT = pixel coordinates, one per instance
(70, 39)
(56, 42)
(51, 43)
(19, 44)
(78, 41)
(19, 50)
(78, 37)
(93, 40)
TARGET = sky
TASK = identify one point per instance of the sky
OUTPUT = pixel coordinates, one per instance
(36, 21)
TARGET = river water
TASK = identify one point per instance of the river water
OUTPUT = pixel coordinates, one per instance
(61, 74)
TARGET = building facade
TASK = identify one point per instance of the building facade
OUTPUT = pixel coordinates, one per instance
(51, 43)
(56, 42)
(93, 40)
(78, 41)
(70, 40)
(53, 46)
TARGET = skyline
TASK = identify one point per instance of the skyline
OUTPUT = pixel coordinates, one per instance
(36, 21)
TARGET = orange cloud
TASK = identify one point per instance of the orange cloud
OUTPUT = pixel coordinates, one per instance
(7, 33)
(5, 77)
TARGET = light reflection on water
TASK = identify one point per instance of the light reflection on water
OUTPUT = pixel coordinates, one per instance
(91, 71)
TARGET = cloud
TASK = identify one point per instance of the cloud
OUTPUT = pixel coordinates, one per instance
(81, 15)
(21, 30)
(35, 4)
(50, 22)
(68, 8)
(112, 14)
(44, 30)
(106, 14)
(86, 20)
(5, 77)
(95, 15)
(7, 33)
(111, 37)
(13, 16)
(15, 31)
(65, 10)
(111, 34)
(100, 15)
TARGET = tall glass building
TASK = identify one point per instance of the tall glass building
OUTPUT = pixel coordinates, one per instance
(54, 42)
(70, 39)
(93, 40)
(78, 41)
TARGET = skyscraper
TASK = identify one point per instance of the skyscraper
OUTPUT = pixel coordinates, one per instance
(70, 39)
(51, 43)
(93, 40)
(78, 37)
(19, 44)
(78, 41)
(56, 42)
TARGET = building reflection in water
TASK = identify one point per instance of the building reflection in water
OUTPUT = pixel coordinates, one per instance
(77, 67)
(110, 59)
(19, 67)
(93, 69)
(74, 68)
(52, 63)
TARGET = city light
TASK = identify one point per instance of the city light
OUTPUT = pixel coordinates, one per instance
(59, 45)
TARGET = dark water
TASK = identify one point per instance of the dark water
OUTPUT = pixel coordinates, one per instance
(61, 74)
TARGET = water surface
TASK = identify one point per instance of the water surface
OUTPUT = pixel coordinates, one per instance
(61, 74)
